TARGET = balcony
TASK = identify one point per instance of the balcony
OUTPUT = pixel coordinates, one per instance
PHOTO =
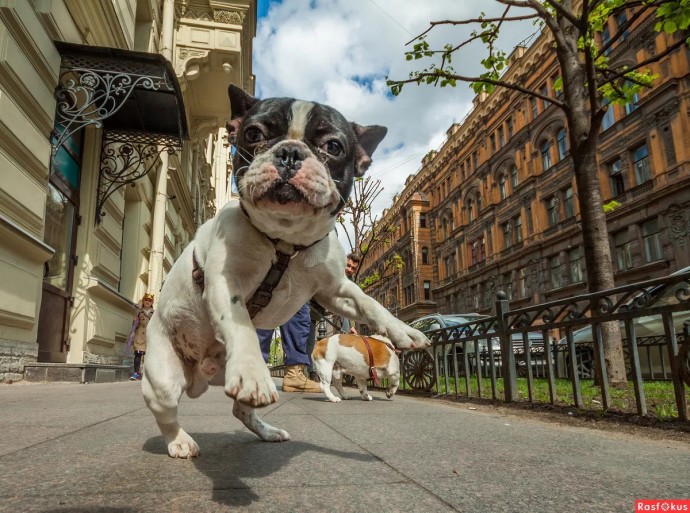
(642, 188)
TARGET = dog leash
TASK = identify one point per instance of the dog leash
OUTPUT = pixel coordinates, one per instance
(372, 369)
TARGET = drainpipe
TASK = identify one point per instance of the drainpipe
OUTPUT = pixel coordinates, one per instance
(161, 199)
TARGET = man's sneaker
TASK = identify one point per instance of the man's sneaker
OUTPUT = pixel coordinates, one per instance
(296, 381)
(135, 376)
(139, 376)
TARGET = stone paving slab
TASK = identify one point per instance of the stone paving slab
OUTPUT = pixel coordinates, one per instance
(84, 448)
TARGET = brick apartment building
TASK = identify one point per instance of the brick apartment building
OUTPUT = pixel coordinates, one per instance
(496, 208)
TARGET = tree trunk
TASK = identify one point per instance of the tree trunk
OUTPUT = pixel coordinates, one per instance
(583, 144)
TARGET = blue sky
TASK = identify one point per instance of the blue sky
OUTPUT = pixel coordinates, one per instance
(339, 52)
(262, 7)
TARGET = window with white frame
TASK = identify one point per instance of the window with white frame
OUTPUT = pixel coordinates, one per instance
(562, 144)
(643, 171)
(507, 230)
(651, 241)
(470, 210)
(616, 177)
(621, 20)
(517, 229)
(605, 39)
(552, 210)
(502, 189)
(568, 202)
(522, 273)
(546, 154)
(609, 116)
(477, 251)
(577, 265)
(623, 251)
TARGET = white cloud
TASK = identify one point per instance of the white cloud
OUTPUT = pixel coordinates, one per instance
(339, 52)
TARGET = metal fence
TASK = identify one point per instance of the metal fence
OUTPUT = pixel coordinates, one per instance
(551, 353)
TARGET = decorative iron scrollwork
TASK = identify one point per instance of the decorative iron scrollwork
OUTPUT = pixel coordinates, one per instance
(126, 157)
(93, 88)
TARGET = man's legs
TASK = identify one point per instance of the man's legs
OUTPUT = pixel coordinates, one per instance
(265, 339)
(294, 334)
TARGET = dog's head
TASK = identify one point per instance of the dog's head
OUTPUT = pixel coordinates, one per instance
(295, 163)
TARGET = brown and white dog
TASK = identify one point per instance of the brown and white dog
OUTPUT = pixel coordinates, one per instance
(345, 353)
(295, 165)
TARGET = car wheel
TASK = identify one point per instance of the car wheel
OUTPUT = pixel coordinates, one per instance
(349, 380)
(418, 370)
(584, 360)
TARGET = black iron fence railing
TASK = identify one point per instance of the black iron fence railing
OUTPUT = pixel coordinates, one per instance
(551, 352)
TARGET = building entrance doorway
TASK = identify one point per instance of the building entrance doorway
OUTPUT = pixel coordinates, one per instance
(62, 207)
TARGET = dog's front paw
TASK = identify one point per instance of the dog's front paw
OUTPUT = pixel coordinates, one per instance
(366, 397)
(183, 446)
(406, 337)
(335, 399)
(250, 383)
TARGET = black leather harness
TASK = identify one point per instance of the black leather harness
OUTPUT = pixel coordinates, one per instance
(262, 296)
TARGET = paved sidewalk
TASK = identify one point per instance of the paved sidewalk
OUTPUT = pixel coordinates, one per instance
(96, 448)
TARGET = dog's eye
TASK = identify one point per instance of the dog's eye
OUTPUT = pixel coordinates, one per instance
(253, 135)
(333, 148)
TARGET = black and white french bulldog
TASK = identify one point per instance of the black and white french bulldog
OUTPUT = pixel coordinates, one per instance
(295, 163)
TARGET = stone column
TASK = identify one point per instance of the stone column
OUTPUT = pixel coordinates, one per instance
(161, 198)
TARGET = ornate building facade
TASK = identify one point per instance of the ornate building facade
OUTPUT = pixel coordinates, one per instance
(112, 153)
(499, 200)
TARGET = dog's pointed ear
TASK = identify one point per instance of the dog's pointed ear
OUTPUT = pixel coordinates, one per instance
(368, 138)
(240, 103)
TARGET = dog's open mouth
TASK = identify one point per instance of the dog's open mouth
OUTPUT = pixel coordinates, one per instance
(284, 193)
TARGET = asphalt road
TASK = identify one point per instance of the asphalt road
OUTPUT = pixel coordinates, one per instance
(96, 448)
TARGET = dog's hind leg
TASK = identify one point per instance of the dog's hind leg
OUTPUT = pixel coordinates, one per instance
(337, 382)
(362, 385)
(324, 369)
(249, 418)
(162, 386)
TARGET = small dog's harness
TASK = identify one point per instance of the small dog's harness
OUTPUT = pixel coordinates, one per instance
(264, 293)
(372, 369)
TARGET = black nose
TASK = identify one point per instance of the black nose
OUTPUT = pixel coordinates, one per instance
(289, 160)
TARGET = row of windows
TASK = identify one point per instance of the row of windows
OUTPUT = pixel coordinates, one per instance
(570, 267)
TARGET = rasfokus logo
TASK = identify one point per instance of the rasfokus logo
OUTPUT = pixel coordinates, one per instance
(662, 505)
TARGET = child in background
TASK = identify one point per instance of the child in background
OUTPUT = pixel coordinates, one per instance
(137, 336)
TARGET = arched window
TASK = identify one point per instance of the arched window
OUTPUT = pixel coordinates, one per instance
(425, 255)
(514, 182)
(470, 210)
(562, 144)
(546, 154)
(502, 186)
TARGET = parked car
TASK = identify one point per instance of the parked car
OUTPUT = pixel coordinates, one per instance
(433, 322)
(649, 332)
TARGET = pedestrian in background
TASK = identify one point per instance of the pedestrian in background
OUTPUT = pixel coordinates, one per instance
(351, 266)
(293, 334)
(137, 335)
